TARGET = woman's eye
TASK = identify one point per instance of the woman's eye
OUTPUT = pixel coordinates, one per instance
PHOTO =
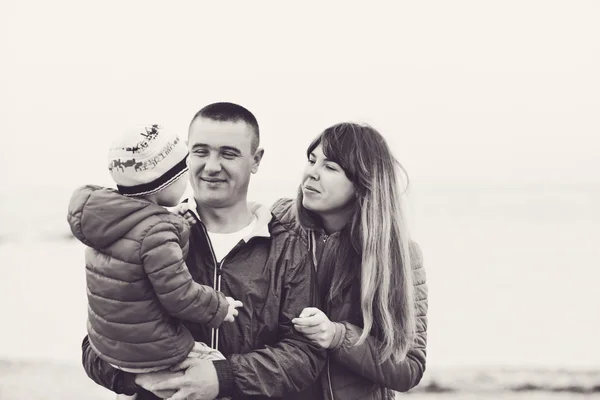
(311, 162)
(331, 168)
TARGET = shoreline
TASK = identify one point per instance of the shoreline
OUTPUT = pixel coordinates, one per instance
(38, 379)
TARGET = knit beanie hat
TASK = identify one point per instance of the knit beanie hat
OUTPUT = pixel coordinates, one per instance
(146, 159)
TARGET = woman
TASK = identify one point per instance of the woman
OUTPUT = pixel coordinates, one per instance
(370, 275)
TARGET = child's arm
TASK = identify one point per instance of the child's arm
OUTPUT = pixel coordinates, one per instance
(183, 298)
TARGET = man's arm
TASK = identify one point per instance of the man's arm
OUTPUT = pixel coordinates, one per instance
(290, 365)
(122, 382)
(104, 374)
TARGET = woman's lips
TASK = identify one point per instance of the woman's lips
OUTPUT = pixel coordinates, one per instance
(310, 189)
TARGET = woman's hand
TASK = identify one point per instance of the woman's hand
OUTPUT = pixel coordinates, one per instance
(316, 326)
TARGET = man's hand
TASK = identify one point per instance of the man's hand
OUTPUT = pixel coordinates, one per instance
(198, 382)
(152, 378)
(232, 312)
(316, 326)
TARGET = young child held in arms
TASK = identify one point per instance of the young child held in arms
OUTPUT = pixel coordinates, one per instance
(139, 288)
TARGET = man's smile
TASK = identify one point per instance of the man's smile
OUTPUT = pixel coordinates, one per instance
(212, 180)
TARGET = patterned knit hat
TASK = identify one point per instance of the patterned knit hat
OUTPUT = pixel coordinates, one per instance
(146, 159)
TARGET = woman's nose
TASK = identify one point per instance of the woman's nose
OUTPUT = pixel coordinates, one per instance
(312, 172)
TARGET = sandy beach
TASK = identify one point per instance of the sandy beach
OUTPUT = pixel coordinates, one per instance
(44, 380)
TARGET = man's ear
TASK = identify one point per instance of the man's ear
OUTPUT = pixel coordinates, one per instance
(256, 158)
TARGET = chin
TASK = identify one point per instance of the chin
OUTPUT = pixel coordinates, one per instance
(309, 205)
(213, 201)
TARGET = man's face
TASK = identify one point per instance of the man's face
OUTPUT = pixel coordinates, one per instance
(221, 161)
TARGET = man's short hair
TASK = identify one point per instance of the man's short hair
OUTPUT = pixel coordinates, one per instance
(230, 112)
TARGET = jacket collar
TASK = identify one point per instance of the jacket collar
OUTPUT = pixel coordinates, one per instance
(261, 213)
(313, 235)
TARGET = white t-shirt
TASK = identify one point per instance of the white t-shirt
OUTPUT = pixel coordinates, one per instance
(222, 243)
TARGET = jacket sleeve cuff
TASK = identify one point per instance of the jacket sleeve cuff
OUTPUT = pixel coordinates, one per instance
(221, 313)
(128, 385)
(225, 377)
(338, 335)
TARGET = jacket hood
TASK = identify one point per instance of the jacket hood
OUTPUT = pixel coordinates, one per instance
(286, 213)
(100, 216)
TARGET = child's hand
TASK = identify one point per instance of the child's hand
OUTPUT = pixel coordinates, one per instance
(183, 210)
(232, 312)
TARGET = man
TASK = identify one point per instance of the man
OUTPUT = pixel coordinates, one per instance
(241, 250)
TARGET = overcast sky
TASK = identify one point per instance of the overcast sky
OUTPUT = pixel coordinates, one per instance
(464, 91)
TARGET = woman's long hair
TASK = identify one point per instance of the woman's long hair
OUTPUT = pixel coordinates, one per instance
(373, 248)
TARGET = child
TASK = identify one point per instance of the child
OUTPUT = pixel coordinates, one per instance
(138, 286)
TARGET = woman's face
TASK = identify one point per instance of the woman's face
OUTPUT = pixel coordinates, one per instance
(325, 187)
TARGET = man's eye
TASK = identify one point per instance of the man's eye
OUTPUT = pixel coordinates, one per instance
(200, 152)
(229, 155)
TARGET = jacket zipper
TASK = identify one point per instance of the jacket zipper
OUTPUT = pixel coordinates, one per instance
(219, 273)
(217, 284)
(329, 381)
(214, 337)
(214, 332)
(315, 262)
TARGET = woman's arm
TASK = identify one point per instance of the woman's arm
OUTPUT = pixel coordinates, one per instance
(288, 366)
(364, 359)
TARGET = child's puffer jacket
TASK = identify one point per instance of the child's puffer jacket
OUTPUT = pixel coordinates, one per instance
(138, 285)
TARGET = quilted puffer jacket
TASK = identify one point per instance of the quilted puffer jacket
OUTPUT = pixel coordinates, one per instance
(270, 272)
(138, 286)
(353, 372)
